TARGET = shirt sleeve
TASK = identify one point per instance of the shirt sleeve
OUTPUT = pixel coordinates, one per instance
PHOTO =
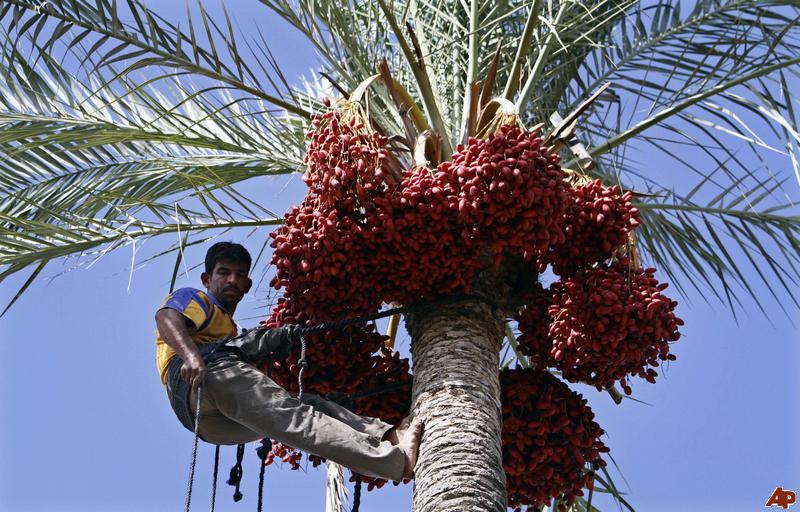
(190, 303)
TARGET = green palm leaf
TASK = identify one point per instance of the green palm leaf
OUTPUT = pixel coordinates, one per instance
(167, 115)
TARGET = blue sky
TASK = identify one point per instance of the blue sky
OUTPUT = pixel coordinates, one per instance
(85, 424)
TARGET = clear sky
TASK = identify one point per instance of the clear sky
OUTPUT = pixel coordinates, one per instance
(85, 424)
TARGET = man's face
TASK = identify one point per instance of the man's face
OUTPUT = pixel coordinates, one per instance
(228, 282)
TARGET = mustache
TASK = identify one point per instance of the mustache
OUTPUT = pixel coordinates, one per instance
(231, 287)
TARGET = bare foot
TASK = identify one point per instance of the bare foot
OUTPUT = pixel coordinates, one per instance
(409, 443)
(391, 436)
(394, 434)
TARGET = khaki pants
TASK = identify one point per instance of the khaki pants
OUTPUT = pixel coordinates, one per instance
(240, 404)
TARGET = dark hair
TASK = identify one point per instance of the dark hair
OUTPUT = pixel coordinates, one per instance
(227, 251)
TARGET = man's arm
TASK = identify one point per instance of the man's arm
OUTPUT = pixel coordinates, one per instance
(172, 327)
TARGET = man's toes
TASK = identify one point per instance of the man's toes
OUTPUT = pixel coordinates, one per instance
(404, 424)
(391, 436)
(410, 445)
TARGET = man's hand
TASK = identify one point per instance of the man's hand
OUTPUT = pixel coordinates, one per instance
(194, 371)
(173, 329)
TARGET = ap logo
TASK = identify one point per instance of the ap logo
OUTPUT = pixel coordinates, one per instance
(781, 497)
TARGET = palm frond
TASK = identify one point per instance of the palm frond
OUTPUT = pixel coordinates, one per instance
(149, 41)
(683, 84)
(27, 242)
(106, 162)
(708, 90)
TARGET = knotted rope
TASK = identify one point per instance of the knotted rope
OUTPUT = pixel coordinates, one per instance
(235, 478)
(262, 452)
(357, 494)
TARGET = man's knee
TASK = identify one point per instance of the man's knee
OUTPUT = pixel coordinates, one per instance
(223, 430)
(236, 387)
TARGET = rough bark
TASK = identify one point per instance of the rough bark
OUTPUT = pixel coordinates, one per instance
(457, 394)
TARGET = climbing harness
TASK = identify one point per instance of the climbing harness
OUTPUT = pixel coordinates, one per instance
(236, 470)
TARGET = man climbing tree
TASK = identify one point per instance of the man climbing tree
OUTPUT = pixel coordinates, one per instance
(201, 358)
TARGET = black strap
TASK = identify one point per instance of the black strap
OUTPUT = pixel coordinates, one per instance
(236, 473)
(262, 452)
(357, 494)
(214, 480)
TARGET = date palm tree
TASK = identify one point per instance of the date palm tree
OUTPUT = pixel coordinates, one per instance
(119, 125)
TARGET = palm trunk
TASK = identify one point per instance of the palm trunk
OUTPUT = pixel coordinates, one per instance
(457, 394)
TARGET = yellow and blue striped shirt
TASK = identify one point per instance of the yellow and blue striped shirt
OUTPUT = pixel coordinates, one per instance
(205, 312)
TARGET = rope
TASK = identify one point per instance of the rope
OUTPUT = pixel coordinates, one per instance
(357, 494)
(235, 478)
(262, 451)
(338, 324)
(303, 363)
(194, 451)
(214, 480)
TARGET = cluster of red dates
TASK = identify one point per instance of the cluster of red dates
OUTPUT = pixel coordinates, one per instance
(366, 236)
